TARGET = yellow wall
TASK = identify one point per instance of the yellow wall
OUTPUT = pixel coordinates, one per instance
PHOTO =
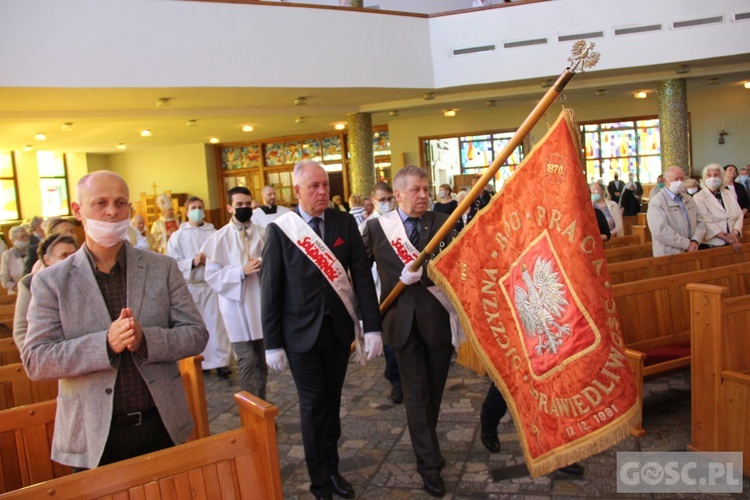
(180, 169)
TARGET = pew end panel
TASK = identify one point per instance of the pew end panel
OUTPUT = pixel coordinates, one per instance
(636, 360)
(735, 430)
(195, 389)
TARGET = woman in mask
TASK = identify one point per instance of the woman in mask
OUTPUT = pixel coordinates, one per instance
(721, 212)
(445, 203)
(692, 186)
(610, 209)
(730, 180)
(11, 262)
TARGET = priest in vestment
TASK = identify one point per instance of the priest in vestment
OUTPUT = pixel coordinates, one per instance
(166, 224)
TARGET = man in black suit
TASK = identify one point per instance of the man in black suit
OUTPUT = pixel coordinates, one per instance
(416, 325)
(307, 325)
(615, 188)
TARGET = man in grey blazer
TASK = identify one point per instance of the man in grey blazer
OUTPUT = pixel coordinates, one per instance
(111, 322)
(416, 325)
(675, 222)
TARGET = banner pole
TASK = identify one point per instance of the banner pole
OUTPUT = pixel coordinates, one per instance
(582, 57)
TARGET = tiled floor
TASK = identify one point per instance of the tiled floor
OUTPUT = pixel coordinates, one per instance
(376, 453)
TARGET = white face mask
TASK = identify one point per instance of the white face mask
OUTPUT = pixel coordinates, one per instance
(196, 215)
(22, 245)
(107, 234)
(385, 206)
(713, 183)
(692, 190)
(676, 187)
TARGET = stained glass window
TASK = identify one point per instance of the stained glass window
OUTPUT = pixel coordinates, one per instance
(622, 147)
(53, 183)
(8, 194)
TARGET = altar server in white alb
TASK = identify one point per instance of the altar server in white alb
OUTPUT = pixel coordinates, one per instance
(269, 211)
(233, 256)
(185, 247)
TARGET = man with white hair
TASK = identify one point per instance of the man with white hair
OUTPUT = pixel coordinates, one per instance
(675, 222)
(12, 260)
(310, 312)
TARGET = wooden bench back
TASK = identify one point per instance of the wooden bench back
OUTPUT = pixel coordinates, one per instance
(242, 463)
(654, 267)
(6, 313)
(8, 351)
(628, 252)
(17, 389)
(623, 241)
(655, 312)
(627, 222)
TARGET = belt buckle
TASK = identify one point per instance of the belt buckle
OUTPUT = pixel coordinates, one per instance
(137, 415)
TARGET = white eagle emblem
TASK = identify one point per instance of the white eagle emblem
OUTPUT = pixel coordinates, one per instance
(541, 305)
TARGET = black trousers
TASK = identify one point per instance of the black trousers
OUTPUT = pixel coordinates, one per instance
(423, 374)
(493, 409)
(319, 376)
(132, 441)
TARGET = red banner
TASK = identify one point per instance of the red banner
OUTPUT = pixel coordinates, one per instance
(529, 280)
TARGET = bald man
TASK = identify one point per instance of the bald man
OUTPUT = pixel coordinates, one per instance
(111, 322)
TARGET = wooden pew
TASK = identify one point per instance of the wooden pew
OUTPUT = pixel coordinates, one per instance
(242, 463)
(6, 313)
(720, 355)
(627, 223)
(8, 351)
(655, 320)
(654, 267)
(19, 466)
(16, 389)
(628, 252)
(642, 231)
(623, 241)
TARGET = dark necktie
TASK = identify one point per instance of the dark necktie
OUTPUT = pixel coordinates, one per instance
(414, 233)
(315, 225)
(717, 194)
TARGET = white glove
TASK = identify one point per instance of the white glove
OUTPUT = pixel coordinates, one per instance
(276, 359)
(408, 277)
(373, 345)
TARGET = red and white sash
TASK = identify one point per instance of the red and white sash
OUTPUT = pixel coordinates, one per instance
(395, 233)
(324, 259)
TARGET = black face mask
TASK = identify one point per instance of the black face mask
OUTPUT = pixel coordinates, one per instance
(243, 214)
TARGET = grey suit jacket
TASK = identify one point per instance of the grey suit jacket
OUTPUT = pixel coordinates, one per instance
(415, 300)
(67, 340)
(670, 232)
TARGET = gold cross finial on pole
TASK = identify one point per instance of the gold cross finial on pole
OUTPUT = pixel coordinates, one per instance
(154, 186)
(583, 55)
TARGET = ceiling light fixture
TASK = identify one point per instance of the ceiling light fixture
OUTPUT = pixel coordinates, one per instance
(340, 126)
(747, 85)
(299, 119)
(163, 102)
(394, 112)
(713, 81)
(640, 95)
(146, 133)
(28, 148)
(547, 83)
(450, 113)
(214, 140)
(300, 101)
(601, 92)
(491, 103)
(682, 69)
(247, 128)
(68, 126)
(121, 146)
(191, 123)
(40, 137)
(428, 96)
